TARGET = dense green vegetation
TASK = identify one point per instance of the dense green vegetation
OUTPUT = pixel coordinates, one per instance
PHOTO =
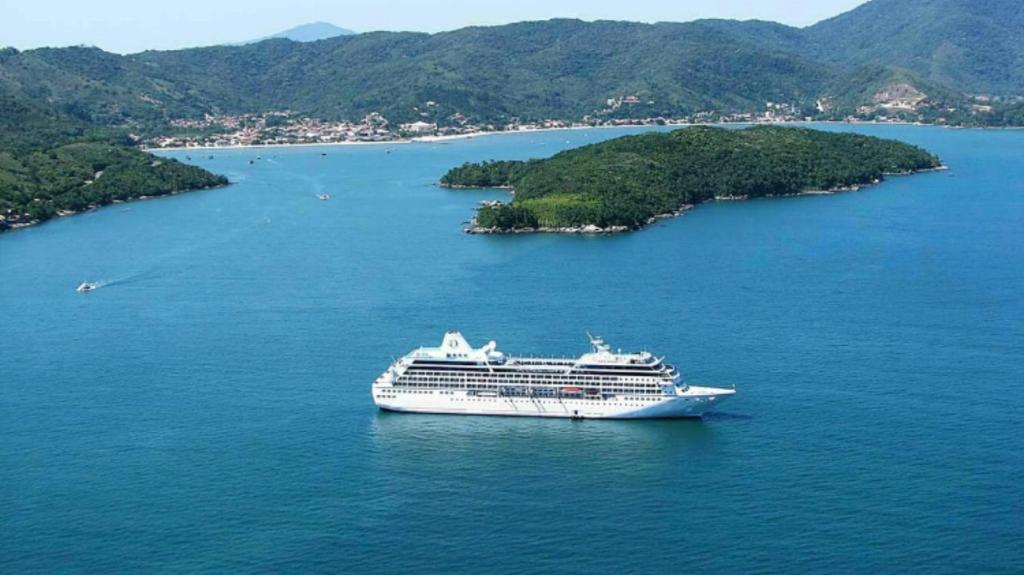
(493, 174)
(1007, 115)
(531, 71)
(37, 184)
(975, 46)
(972, 46)
(627, 181)
(559, 69)
(57, 159)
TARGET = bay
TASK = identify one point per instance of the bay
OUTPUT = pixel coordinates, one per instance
(208, 408)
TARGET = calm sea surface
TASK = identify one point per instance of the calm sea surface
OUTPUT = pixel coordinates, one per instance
(208, 409)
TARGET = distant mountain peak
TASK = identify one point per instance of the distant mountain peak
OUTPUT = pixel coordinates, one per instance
(310, 32)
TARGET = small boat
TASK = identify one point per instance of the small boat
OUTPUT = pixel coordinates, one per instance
(86, 287)
(323, 197)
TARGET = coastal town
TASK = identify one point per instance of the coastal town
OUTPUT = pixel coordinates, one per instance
(897, 103)
(286, 127)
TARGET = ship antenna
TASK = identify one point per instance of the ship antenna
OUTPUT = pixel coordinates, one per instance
(598, 343)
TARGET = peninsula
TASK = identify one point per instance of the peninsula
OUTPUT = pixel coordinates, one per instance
(626, 183)
(37, 184)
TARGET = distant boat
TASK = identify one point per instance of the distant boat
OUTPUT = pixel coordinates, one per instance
(86, 287)
(323, 197)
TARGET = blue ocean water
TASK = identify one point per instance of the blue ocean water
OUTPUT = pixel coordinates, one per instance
(208, 409)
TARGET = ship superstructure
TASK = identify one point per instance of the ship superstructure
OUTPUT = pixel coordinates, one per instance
(457, 378)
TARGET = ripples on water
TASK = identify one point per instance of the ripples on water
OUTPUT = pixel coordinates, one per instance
(209, 409)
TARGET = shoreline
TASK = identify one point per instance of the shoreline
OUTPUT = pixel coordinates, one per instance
(587, 230)
(470, 136)
(420, 139)
(67, 213)
(594, 230)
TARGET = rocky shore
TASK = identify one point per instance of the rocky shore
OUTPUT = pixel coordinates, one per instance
(837, 189)
(463, 187)
(589, 229)
(11, 223)
(592, 229)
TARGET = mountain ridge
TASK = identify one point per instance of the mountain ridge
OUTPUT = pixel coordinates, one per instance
(975, 45)
(554, 69)
(533, 70)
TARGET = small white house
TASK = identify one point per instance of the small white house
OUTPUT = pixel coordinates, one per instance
(420, 128)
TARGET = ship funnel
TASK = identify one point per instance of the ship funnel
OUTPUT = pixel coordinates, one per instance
(453, 341)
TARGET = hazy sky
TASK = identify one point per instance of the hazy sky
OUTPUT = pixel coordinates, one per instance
(135, 25)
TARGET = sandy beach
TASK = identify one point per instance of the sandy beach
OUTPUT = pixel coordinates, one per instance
(437, 139)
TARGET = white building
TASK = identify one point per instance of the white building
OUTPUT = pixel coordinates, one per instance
(419, 128)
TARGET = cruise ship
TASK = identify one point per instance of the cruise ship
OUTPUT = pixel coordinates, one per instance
(456, 378)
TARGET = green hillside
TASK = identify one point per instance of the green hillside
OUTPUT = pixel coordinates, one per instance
(628, 181)
(38, 184)
(532, 71)
(63, 137)
(557, 69)
(975, 46)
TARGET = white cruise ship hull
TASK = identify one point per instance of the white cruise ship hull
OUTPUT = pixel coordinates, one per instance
(693, 402)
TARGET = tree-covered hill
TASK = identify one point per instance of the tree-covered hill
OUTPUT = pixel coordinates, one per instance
(557, 69)
(976, 46)
(39, 183)
(627, 181)
(67, 158)
(535, 70)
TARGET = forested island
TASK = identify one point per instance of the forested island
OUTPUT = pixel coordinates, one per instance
(38, 183)
(626, 183)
